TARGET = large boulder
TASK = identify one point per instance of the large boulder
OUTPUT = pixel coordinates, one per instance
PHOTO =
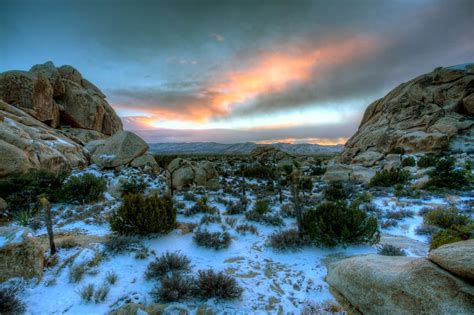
(268, 153)
(26, 143)
(342, 172)
(118, 150)
(59, 96)
(457, 258)
(377, 284)
(147, 163)
(21, 255)
(185, 173)
(425, 114)
(368, 158)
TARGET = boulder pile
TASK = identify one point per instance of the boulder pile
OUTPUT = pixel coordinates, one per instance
(53, 118)
(431, 113)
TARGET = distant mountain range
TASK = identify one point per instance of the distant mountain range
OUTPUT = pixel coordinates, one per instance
(240, 148)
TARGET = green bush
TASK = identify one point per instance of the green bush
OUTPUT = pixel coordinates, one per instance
(306, 184)
(21, 191)
(387, 178)
(428, 160)
(334, 223)
(452, 235)
(408, 161)
(261, 206)
(86, 188)
(445, 175)
(139, 215)
(134, 185)
(398, 150)
(446, 218)
(258, 171)
(211, 284)
(336, 191)
(201, 206)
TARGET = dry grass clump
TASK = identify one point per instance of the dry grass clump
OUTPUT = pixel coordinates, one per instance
(166, 263)
(216, 240)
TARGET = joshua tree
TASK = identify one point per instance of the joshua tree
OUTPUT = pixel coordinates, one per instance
(46, 207)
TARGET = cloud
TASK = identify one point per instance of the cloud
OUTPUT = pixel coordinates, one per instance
(217, 37)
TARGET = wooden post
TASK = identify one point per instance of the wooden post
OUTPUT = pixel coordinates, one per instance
(46, 206)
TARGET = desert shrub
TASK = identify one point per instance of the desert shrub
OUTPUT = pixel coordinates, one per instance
(390, 250)
(444, 175)
(287, 210)
(428, 160)
(10, 304)
(211, 284)
(23, 217)
(201, 206)
(215, 218)
(408, 161)
(261, 206)
(76, 273)
(306, 184)
(398, 150)
(101, 293)
(238, 207)
(391, 177)
(117, 244)
(83, 189)
(445, 218)
(67, 242)
(230, 221)
(399, 214)
(87, 292)
(426, 229)
(286, 239)
(337, 191)
(134, 185)
(388, 223)
(316, 170)
(189, 196)
(166, 263)
(144, 215)
(364, 197)
(20, 191)
(267, 218)
(216, 240)
(111, 277)
(174, 287)
(141, 252)
(331, 224)
(259, 171)
(452, 235)
(246, 228)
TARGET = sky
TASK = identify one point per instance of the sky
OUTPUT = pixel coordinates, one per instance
(244, 70)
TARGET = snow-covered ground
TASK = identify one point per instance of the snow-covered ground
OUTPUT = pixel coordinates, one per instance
(273, 281)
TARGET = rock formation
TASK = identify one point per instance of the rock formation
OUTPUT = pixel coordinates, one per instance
(52, 118)
(59, 97)
(431, 113)
(185, 173)
(377, 284)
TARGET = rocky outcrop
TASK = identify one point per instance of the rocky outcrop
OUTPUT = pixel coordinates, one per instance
(186, 174)
(269, 154)
(21, 255)
(146, 163)
(26, 143)
(430, 113)
(59, 96)
(120, 149)
(457, 258)
(341, 172)
(377, 284)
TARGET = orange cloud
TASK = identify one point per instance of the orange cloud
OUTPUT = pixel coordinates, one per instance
(321, 141)
(271, 72)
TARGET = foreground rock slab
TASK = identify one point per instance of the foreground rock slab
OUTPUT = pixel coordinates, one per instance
(457, 258)
(377, 284)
